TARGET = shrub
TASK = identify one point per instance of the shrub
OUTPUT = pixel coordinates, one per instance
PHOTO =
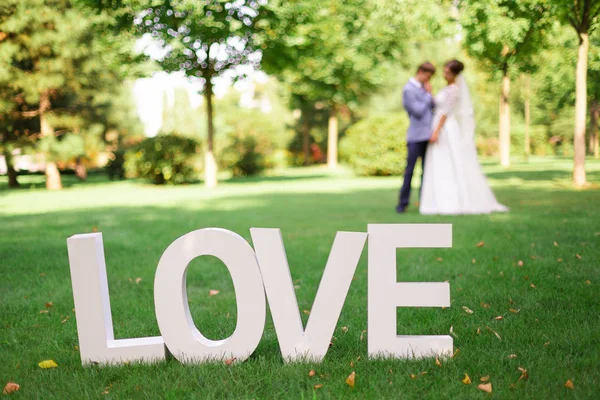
(249, 146)
(376, 146)
(164, 159)
(246, 154)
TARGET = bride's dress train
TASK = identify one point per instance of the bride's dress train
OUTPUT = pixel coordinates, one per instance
(453, 182)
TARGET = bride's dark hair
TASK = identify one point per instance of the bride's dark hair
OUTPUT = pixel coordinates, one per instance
(455, 66)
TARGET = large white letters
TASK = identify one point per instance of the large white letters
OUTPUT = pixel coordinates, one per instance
(386, 294)
(181, 336)
(254, 273)
(296, 343)
(92, 309)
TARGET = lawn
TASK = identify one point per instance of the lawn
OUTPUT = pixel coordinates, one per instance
(541, 260)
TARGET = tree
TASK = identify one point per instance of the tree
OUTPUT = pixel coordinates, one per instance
(59, 57)
(205, 40)
(584, 17)
(338, 51)
(504, 35)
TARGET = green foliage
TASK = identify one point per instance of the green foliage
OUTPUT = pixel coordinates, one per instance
(164, 159)
(339, 51)
(250, 142)
(376, 145)
(62, 148)
(505, 34)
(246, 155)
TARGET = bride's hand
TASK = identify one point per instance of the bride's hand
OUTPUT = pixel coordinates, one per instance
(434, 138)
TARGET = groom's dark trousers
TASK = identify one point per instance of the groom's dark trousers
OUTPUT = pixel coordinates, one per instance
(416, 150)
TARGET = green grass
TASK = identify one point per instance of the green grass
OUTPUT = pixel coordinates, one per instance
(555, 335)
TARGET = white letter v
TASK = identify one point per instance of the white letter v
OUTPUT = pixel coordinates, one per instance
(296, 343)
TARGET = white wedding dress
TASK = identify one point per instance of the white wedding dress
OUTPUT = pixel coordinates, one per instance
(453, 182)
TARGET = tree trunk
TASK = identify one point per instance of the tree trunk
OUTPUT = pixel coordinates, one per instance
(505, 120)
(306, 134)
(527, 117)
(579, 178)
(595, 119)
(332, 138)
(210, 165)
(53, 181)
(80, 170)
(10, 169)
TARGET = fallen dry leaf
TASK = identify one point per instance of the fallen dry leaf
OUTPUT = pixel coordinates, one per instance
(485, 378)
(351, 379)
(532, 286)
(466, 380)
(312, 372)
(94, 229)
(213, 292)
(499, 318)
(319, 386)
(524, 374)
(48, 364)
(480, 244)
(512, 356)
(569, 384)
(560, 260)
(42, 274)
(49, 304)
(423, 373)
(345, 329)
(495, 333)
(555, 244)
(485, 387)
(478, 330)
(65, 320)
(439, 259)
(578, 256)
(452, 332)
(520, 263)
(588, 282)
(11, 387)
(455, 353)
(307, 312)
(546, 344)
(485, 305)
(512, 310)
(467, 310)
(438, 362)
(229, 361)
(413, 376)
(138, 280)
(362, 335)
(473, 261)
(43, 311)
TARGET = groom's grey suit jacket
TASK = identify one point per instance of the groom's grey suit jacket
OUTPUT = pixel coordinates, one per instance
(419, 106)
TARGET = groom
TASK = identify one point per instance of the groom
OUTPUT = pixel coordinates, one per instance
(418, 103)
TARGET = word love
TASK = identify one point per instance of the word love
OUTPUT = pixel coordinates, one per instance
(255, 273)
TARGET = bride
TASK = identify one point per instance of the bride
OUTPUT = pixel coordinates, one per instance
(453, 182)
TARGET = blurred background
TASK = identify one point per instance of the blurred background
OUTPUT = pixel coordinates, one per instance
(182, 91)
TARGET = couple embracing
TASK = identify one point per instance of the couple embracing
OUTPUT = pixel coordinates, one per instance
(441, 133)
